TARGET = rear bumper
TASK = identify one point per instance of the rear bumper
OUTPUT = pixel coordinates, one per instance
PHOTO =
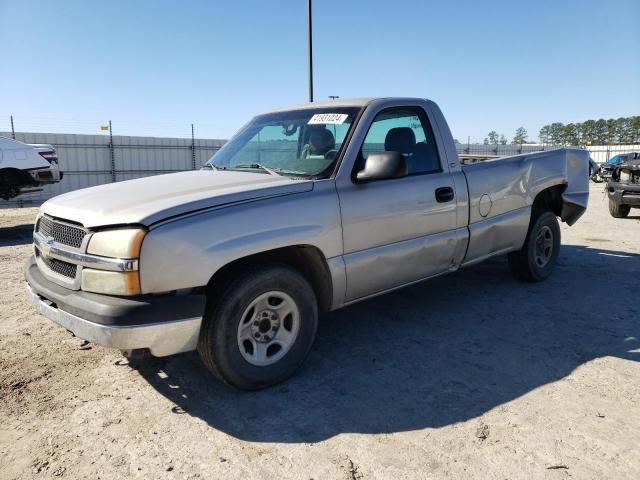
(624, 193)
(165, 324)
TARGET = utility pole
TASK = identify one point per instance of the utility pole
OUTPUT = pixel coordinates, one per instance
(112, 153)
(13, 133)
(310, 50)
(193, 149)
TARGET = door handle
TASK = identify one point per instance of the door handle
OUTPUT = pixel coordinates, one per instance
(444, 194)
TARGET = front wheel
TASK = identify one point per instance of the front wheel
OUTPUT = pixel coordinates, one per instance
(537, 258)
(259, 329)
(617, 210)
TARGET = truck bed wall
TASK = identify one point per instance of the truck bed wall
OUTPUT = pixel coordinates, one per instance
(502, 191)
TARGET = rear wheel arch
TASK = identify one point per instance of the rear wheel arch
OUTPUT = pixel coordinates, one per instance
(550, 199)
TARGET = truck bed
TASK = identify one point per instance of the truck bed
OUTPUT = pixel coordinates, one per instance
(502, 191)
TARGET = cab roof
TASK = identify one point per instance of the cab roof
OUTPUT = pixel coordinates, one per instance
(341, 102)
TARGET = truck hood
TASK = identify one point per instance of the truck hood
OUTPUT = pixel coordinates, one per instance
(152, 199)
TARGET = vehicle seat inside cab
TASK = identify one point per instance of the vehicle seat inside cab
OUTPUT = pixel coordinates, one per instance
(421, 157)
(319, 142)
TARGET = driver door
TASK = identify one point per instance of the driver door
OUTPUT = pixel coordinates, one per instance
(398, 231)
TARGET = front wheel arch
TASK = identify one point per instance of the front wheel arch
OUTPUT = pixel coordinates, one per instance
(308, 260)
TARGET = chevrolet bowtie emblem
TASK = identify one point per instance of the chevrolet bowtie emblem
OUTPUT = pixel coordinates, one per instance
(45, 246)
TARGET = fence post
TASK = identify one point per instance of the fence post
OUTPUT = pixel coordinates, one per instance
(13, 132)
(113, 154)
(193, 149)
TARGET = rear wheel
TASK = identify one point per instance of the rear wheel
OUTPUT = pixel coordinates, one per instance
(537, 258)
(259, 329)
(617, 210)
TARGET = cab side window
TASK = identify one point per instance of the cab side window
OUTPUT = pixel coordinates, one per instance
(404, 130)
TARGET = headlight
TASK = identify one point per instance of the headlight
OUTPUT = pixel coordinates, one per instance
(110, 283)
(625, 176)
(117, 243)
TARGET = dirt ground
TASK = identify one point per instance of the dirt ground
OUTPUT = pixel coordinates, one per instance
(472, 375)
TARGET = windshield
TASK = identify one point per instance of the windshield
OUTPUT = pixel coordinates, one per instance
(304, 143)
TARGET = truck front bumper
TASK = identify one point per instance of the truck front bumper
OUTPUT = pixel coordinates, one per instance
(164, 324)
(624, 193)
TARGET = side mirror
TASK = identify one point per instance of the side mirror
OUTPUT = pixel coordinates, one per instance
(383, 166)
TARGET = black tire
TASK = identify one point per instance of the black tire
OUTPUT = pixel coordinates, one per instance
(525, 263)
(218, 344)
(618, 210)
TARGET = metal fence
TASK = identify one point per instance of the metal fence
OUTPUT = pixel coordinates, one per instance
(89, 160)
(599, 153)
(501, 150)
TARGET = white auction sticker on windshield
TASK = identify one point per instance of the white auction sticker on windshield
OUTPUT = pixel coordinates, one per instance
(328, 119)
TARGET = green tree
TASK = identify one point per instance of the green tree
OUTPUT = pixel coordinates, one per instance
(614, 131)
(623, 127)
(556, 131)
(634, 126)
(587, 132)
(492, 138)
(520, 136)
(503, 140)
(570, 135)
(601, 132)
(543, 136)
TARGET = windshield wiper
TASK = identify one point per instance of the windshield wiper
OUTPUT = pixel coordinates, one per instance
(256, 166)
(211, 166)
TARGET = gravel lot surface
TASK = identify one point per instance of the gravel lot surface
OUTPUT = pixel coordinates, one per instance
(473, 375)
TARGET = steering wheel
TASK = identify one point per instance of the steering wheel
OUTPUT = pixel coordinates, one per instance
(331, 154)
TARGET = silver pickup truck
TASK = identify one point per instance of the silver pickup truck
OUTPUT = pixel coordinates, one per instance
(305, 210)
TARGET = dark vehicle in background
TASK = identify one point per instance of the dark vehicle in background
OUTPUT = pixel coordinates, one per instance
(594, 171)
(606, 169)
(623, 188)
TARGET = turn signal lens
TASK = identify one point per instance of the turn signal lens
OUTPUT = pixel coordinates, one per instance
(110, 283)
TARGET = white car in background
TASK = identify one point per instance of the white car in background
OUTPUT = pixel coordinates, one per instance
(25, 167)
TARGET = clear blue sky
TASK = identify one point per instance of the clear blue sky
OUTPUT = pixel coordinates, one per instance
(154, 67)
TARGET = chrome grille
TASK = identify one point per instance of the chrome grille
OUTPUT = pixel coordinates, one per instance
(63, 268)
(62, 232)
